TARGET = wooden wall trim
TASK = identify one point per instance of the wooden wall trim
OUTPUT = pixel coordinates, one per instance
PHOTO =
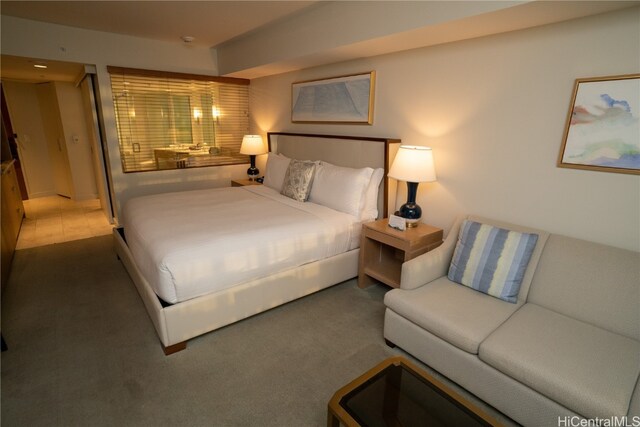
(173, 75)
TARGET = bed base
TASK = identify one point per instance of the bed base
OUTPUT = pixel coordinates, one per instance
(177, 323)
(169, 350)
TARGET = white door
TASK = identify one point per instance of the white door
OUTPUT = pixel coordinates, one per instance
(55, 139)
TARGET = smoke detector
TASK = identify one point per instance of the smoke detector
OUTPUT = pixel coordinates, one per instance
(187, 39)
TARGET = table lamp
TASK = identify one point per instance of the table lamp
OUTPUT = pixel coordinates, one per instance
(413, 164)
(252, 145)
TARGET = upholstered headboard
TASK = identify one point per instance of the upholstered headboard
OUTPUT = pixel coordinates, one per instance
(347, 151)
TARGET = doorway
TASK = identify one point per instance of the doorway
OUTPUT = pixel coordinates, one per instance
(56, 129)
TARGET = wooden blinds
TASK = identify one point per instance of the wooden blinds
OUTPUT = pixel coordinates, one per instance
(171, 120)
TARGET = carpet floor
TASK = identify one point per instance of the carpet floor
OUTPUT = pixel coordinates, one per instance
(83, 352)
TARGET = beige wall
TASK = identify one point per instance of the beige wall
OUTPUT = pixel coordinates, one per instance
(494, 111)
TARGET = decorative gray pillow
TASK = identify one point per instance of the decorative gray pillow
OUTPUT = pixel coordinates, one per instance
(298, 180)
(491, 259)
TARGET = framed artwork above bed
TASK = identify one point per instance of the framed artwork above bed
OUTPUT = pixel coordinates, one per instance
(603, 125)
(344, 99)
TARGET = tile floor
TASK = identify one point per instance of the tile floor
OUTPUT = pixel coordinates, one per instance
(57, 219)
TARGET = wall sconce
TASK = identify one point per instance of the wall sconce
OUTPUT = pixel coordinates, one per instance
(252, 145)
(413, 164)
(215, 113)
(197, 114)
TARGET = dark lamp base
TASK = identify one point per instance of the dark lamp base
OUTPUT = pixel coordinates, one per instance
(411, 213)
(253, 173)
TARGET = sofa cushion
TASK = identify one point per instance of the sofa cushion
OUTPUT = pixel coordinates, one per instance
(587, 369)
(591, 282)
(455, 313)
(491, 260)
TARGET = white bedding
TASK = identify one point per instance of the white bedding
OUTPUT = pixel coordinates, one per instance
(192, 243)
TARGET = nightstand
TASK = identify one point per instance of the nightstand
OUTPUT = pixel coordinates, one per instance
(383, 250)
(243, 182)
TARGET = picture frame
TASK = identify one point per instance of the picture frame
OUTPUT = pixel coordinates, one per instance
(345, 99)
(602, 131)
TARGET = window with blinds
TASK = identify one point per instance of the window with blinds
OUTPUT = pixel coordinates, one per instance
(172, 120)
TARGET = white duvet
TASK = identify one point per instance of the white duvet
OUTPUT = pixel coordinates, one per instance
(192, 243)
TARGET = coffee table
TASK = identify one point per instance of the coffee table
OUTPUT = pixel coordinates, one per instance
(397, 393)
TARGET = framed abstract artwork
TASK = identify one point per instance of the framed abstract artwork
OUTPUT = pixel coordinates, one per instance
(603, 125)
(343, 99)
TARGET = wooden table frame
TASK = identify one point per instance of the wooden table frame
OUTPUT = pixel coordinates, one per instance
(337, 415)
(243, 182)
(383, 250)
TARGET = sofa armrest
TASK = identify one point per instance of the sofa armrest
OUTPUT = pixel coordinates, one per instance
(431, 265)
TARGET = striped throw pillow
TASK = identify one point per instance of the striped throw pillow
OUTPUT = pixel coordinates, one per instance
(491, 259)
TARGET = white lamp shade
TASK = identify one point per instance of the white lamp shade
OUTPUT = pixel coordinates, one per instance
(413, 164)
(252, 145)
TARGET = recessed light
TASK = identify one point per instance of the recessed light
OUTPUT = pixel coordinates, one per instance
(187, 39)
(39, 66)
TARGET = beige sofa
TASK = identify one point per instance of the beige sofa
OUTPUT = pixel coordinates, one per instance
(569, 347)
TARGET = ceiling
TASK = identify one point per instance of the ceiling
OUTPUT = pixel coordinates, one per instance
(208, 22)
(221, 24)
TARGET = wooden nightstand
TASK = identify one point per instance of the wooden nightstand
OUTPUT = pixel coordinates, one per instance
(383, 250)
(243, 182)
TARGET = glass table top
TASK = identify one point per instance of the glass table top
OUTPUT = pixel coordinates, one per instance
(398, 396)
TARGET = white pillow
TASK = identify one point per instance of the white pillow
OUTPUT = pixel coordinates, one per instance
(339, 188)
(370, 208)
(277, 166)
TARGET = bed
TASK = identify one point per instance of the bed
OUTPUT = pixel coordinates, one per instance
(200, 273)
